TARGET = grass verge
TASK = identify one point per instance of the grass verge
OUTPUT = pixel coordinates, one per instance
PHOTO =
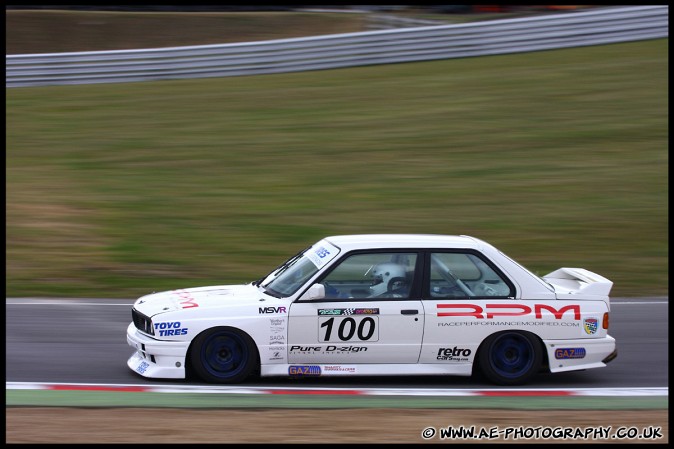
(559, 158)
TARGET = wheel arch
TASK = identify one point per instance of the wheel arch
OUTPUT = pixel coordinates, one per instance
(545, 362)
(189, 369)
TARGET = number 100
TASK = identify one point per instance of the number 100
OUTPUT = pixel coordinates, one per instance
(348, 329)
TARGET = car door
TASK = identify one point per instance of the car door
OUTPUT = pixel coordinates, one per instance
(371, 313)
(457, 285)
(467, 299)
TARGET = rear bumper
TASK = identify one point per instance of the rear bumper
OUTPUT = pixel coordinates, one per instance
(573, 355)
(156, 358)
(611, 356)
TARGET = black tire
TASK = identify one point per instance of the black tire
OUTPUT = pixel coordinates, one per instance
(510, 357)
(223, 355)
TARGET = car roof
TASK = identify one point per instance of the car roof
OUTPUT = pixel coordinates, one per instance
(366, 241)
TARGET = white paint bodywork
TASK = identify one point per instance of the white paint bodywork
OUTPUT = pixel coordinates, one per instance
(411, 336)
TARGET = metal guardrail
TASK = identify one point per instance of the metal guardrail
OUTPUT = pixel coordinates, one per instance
(570, 29)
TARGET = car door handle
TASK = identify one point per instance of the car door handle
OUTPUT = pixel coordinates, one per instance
(409, 311)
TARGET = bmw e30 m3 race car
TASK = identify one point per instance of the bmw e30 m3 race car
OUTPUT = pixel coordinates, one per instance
(380, 305)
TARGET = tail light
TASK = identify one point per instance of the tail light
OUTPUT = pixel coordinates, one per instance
(604, 323)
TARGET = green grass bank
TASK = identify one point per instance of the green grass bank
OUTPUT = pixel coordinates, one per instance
(559, 158)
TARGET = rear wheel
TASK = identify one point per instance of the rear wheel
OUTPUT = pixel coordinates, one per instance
(223, 355)
(510, 358)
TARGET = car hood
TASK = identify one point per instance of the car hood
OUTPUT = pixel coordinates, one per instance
(200, 297)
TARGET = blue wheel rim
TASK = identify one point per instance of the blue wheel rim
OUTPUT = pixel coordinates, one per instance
(512, 355)
(224, 354)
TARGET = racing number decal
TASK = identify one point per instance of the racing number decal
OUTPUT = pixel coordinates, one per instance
(348, 329)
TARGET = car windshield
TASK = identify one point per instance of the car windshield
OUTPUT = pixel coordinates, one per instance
(292, 274)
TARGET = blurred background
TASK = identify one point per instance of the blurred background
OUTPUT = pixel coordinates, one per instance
(558, 158)
(42, 29)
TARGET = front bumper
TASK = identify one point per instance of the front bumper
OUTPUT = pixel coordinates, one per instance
(156, 358)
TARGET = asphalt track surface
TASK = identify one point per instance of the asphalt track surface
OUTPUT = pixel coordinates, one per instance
(84, 341)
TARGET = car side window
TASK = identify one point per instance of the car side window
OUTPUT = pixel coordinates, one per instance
(465, 275)
(371, 275)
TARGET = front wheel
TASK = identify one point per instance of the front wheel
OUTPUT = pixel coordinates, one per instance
(510, 358)
(223, 355)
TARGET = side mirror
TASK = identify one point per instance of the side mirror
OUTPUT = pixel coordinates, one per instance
(316, 291)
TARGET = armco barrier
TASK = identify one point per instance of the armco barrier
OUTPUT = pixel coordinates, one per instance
(570, 29)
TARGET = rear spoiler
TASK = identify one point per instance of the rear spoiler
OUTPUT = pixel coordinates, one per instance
(579, 281)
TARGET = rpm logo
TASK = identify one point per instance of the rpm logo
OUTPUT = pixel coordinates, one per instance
(489, 311)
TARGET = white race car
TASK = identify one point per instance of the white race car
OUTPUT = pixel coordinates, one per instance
(380, 305)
